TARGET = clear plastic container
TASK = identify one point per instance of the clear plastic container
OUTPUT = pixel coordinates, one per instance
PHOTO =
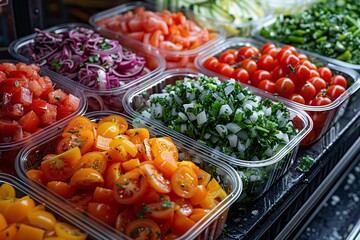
(9, 150)
(209, 227)
(256, 34)
(23, 189)
(257, 176)
(174, 59)
(99, 99)
(239, 28)
(287, 7)
(323, 116)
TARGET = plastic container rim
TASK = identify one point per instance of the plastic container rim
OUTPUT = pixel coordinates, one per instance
(20, 42)
(255, 33)
(122, 8)
(237, 185)
(39, 134)
(199, 60)
(293, 143)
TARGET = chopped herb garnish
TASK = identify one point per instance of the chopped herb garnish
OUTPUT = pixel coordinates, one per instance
(305, 164)
(57, 98)
(17, 83)
(167, 204)
(119, 185)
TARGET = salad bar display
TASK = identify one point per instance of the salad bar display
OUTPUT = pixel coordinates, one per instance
(179, 120)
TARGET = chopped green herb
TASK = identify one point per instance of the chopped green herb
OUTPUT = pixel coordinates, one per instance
(57, 98)
(167, 204)
(305, 164)
(17, 83)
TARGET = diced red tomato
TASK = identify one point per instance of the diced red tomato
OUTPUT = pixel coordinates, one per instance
(49, 116)
(30, 122)
(22, 95)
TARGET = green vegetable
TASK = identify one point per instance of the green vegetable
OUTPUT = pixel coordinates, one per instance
(224, 116)
(330, 28)
(305, 164)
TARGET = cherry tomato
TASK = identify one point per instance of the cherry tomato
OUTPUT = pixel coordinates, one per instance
(309, 138)
(161, 210)
(61, 188)
(86, 178)
(166, 163)
(260, 75)
(61, 167)
(144, 228)
(112, 173)
(325, 73)
(108, 129)
(160, 144)
(184, 181)
(266, 46)
(77, 123)
(297, 98)
(309, 64)
(7, 191)
(36, 175)
(266, 62)
(289, 62)
(249, 65)
(267, 85)
(124, 218)
(130, 187)
(104, 212)
(120, 121)
(95, 160)
(211, 63)
(282, 53)
(81, 199)
(289, 47)
(318, 83)
(285, 87)
(334, 91)
(104, 195)
(321, 101)
(307, 90)
(9, 233)
(314, 73)
(278, 72)
(302, 73)
(18, 209)
(246, 52)
(229, 56)
(181, 224)
(224, 69)
(155, 178)
(240, 75)
(42, 219)
(339, 80)
(68, 231)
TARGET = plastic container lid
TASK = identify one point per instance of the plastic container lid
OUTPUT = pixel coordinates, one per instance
(177, 58)
(209, 227)
(155, 65)
(138, 96)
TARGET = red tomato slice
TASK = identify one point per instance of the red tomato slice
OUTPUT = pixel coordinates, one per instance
(155, 178)
(30, 122)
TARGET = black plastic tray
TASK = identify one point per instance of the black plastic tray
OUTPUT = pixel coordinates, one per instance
(268, 216)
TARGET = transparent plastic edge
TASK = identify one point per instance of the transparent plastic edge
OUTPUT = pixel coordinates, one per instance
(237, 41)
(255, 33)
(304, 117)
(161, 63)
(82, 108)
(237, 185)
(38, 196)
(130, 6)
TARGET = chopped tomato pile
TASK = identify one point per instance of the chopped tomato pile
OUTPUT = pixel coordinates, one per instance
(21, 218)
(127, 179)
(285, 72)
(163, 30)
(29, 101)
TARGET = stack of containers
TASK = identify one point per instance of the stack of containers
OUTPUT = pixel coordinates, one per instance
(324, 116)
(175, 58)
(258, 175)
(209, 227)
(98, 98)
(8, 150)
(78, 230)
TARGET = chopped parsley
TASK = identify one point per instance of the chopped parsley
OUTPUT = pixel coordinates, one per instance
(305, 164)
(57, 98)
